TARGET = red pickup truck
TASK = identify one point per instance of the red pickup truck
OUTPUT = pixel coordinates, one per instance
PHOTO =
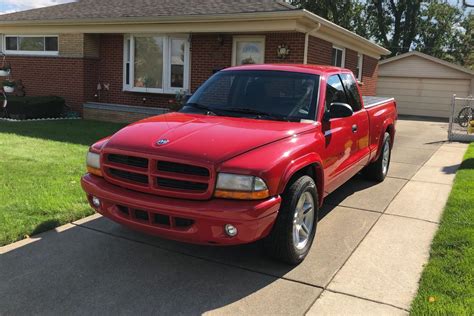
(251, 156)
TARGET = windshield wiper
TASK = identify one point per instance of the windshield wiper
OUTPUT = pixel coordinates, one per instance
(258, 113)
(209, 110)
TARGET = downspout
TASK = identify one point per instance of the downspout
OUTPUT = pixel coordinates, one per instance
(306, 42)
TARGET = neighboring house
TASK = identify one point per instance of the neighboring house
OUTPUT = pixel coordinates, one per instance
(423, 85)
(141, 53)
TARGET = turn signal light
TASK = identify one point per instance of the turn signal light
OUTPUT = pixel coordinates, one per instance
(94, 171)
(240, 195)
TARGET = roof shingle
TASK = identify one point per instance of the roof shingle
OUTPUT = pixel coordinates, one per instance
(116, 9)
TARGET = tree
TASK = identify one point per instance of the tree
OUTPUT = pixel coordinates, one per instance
(349, 14)
(394, 24)
(441, 33)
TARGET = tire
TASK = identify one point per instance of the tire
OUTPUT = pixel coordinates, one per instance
(464, 116)
(377, 171)
(287, 241)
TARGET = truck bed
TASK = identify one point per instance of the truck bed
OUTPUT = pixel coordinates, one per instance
(374, 101)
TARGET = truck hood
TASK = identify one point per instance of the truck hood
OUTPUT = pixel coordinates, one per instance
(204, 138)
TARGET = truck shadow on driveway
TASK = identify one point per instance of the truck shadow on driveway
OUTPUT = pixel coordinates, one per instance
(102, 267)
(82, 271)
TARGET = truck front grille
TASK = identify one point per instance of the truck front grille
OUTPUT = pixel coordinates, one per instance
(158, 175)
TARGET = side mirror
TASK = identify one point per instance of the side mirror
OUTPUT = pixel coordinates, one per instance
(338, 110)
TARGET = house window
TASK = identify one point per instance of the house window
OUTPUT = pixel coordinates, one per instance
(156, 63)
(360, 63)
(338, 56)
(248, 50)
(30, 45)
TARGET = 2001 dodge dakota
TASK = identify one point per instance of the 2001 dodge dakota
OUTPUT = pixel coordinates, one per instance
(251, 156)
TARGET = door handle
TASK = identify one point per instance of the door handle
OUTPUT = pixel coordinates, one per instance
(354, 128)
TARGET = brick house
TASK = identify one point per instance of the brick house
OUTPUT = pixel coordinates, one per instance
(122, 60)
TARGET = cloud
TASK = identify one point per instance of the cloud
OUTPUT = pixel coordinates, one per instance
(9, 6)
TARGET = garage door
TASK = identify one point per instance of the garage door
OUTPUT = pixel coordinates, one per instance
(423, 96)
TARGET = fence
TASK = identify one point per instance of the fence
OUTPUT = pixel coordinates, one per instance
(461, 120)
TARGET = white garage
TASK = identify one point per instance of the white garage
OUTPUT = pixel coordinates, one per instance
(423, 85)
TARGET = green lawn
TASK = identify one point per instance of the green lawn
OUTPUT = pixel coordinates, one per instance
(447, 284)
(40, 169)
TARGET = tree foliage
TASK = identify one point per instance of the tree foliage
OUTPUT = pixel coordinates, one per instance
(436, 27)
(394, 24)
(350, 14)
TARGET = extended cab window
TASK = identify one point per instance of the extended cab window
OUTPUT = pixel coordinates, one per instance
(334, 92)
(260, 94)
(352, 92)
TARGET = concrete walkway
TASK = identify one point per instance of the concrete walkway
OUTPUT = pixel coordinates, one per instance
(372, 242)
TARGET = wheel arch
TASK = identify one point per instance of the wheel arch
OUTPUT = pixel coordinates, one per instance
(388, 127)
(312, 169)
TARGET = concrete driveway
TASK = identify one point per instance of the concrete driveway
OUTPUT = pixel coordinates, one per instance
(371, 244)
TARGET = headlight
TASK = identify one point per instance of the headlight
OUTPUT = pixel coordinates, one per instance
(233, 186)
(93, 163)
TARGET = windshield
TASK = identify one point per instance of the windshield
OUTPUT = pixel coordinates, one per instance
(270, 95)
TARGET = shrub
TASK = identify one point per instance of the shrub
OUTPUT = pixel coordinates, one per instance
(35, 107)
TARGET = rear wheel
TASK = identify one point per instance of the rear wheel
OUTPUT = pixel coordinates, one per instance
(378, 170)
(295, 227)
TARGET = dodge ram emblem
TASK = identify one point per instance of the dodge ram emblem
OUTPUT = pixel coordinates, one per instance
(162, 142)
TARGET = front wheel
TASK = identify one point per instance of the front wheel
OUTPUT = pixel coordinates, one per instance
(294, 230)
(378, 169)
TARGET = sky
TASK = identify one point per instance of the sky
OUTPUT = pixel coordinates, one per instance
(8, 6)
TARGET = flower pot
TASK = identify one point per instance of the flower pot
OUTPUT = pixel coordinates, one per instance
(8, 89)
(4, 73)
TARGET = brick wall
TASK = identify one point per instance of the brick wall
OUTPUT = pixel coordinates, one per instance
(207, 55)
(71, 45)
(319, 51)
(92, 45)
(295, 42)
(51, 76)
(351, 61)
(369, 76)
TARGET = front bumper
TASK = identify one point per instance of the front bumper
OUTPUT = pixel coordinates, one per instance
(199, 222)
